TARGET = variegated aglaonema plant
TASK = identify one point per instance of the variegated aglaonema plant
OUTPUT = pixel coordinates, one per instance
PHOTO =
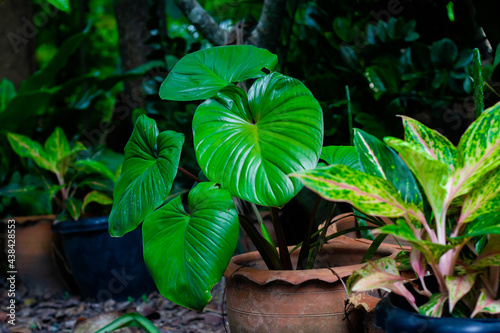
(246, 143)
(444, 200)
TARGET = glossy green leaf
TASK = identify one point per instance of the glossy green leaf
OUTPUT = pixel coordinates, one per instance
(151, 161)
(478, 150)
(60, 4)
(98, 197)
(93, 166)
(25, 147)
(431, 174)
(458, 287)
(249, 147)
(434, 307)
(345, 155)
(74, 207)
(379, 160)
(483, 199)
(187, 252)
(201, 74)
(7, 92)
(432, 143)
(371, 195)
(487, 304)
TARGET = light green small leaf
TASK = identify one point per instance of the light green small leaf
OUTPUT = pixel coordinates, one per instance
(432, 174)
(478, 150)
(151, 161)
(187, 252)
(483, 199)
(201, 74)
(250, 145)
(487, 304)
(434, 307)
(93, 166)
(379, 160)
(458, 287)
(25, 147)
(345, 155)
(97, 197)
(74, 207)
(432, 143)
(60, 4)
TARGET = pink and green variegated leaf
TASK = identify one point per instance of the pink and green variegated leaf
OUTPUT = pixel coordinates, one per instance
(434, 307)
(432, 143)
(478, 150)
(382, 273)
(432, 174)
(458, 287)
(369, 194)
(487, 304)
(483, 199)
(490, 256)
(418, 263)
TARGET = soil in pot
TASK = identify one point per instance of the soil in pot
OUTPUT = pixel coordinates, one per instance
(104, 267)
(260, 300)
(394, 315)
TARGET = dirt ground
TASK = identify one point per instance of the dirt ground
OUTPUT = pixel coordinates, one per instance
(70, 314)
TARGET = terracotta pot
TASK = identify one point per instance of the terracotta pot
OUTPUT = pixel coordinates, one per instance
(261, 300)
(34, 264)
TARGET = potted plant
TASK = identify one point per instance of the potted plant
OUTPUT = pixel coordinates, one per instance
(82, 177)
(450, 215)
(247, 139)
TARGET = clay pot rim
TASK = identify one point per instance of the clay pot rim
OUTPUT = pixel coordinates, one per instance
(265, 276)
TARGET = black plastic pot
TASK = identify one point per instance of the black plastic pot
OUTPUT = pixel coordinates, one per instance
(394, 315)
(104, 267)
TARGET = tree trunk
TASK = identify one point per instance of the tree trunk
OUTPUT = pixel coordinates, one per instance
(17, 33)
(131, 17)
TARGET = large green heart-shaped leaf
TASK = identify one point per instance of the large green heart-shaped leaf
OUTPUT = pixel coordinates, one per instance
(379, 160)
(201, 74)
(151, 162)
(345, 155)
(187, 253)
(250, 146)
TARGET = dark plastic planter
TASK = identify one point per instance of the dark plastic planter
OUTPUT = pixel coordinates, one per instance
(394, 315)
(104, 267)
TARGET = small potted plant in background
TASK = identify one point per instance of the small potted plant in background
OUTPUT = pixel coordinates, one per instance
(451, 219)
(246, 143)
(80, 179)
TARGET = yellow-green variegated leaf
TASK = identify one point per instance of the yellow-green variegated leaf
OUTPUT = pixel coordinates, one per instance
(487, 304)
(432, 174)
(490, 256)
(97, 197)
(478, 150)
(434, 307)
(483, 199)
(458, 287)
(25, 147)
(379, 160)
(369, 194)
(432, 143)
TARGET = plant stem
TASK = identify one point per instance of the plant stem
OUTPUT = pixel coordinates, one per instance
(278, 229)
(265, 249)
(494, 278)
(306, 245)
(349, 114)
(189, 174)
(322, 238)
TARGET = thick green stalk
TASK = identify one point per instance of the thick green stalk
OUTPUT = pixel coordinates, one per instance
(278, 229)
(306, 244)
